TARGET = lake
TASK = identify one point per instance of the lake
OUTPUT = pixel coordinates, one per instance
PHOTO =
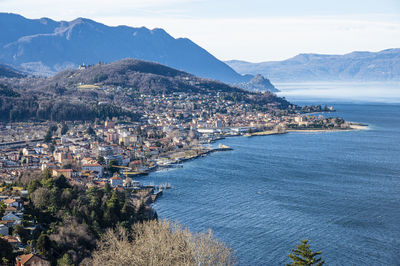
(340, 190)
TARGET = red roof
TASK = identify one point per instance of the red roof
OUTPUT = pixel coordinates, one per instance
(9, 201)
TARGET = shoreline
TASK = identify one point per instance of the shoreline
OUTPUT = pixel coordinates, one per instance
(354, 126)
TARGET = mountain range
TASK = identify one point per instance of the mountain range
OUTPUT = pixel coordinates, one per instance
(44, 46)
(355, 66)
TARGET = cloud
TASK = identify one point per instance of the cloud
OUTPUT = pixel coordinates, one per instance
(67, 10)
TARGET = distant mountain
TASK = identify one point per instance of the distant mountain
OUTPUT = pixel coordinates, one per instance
(356, 66)
(45, 46)
(9, 72)
(258, 83)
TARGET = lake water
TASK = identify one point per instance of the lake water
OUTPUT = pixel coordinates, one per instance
(340, 190)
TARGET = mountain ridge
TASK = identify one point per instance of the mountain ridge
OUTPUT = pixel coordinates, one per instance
(45, 45)
(355, 66)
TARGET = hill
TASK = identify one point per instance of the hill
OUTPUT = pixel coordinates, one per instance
(258, 83)
(355, 66)
(45, 46)
(146, 77)
(128, 88)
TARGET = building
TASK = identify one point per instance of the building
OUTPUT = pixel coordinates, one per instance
(12, 203)
(116, 181)
(67, 173)
(94, 167)
(31, 260)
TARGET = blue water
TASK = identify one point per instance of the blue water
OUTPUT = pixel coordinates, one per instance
(340, 190)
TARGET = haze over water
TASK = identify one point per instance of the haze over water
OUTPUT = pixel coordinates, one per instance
(340, 190)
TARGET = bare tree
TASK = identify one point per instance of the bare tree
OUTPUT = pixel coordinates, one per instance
(160, 243)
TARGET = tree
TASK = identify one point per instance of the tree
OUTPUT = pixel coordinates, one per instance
(43, 245)
(48, 136)
(101, 160)
(160, 243)
(64, 129)
(303, 256)
(65, 260)
(111, 165)
(6, 251)
(3, 208)
(90, 131)
(41, 197)
(22, 232)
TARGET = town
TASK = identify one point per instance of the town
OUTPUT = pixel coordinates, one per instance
(112, 153)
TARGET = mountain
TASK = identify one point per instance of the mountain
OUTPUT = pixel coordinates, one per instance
(258, 83)
(45, 46)
(355, 66)
(9, 72)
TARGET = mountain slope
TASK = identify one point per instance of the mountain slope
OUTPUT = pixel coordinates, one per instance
(9, 72)
(355, 66)
(47, 46)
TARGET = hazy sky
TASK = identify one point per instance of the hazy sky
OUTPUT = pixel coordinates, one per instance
(252, 30)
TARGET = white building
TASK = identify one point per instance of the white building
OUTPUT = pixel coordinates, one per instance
(94, 167)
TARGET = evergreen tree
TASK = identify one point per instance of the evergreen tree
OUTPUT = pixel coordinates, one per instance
(43, 245)
(142, 213)
(304, 256)
(65, 261)
(90, 131)
(101, 160)
(47, 137)
(107, 188)
(6, 251)
(64, 129)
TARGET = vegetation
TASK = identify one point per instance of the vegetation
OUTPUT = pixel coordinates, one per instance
(304, 256)
(31, 108)
(72, 218)
(160, 243)
(6, 91)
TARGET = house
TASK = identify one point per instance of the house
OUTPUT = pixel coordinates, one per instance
(94, 167)
(30, 260)
(116, 181)
(13, 241)
(13, 217)
(67, 173)
(10, 202)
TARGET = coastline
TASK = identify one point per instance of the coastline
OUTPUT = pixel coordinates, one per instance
(353, 126)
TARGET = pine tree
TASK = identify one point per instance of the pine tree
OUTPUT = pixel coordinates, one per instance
(43, 245)
(303, 256)
(48, 136)
(65, 260)
(64, 129)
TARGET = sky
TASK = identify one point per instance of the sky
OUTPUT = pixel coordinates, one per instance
(250, 30)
